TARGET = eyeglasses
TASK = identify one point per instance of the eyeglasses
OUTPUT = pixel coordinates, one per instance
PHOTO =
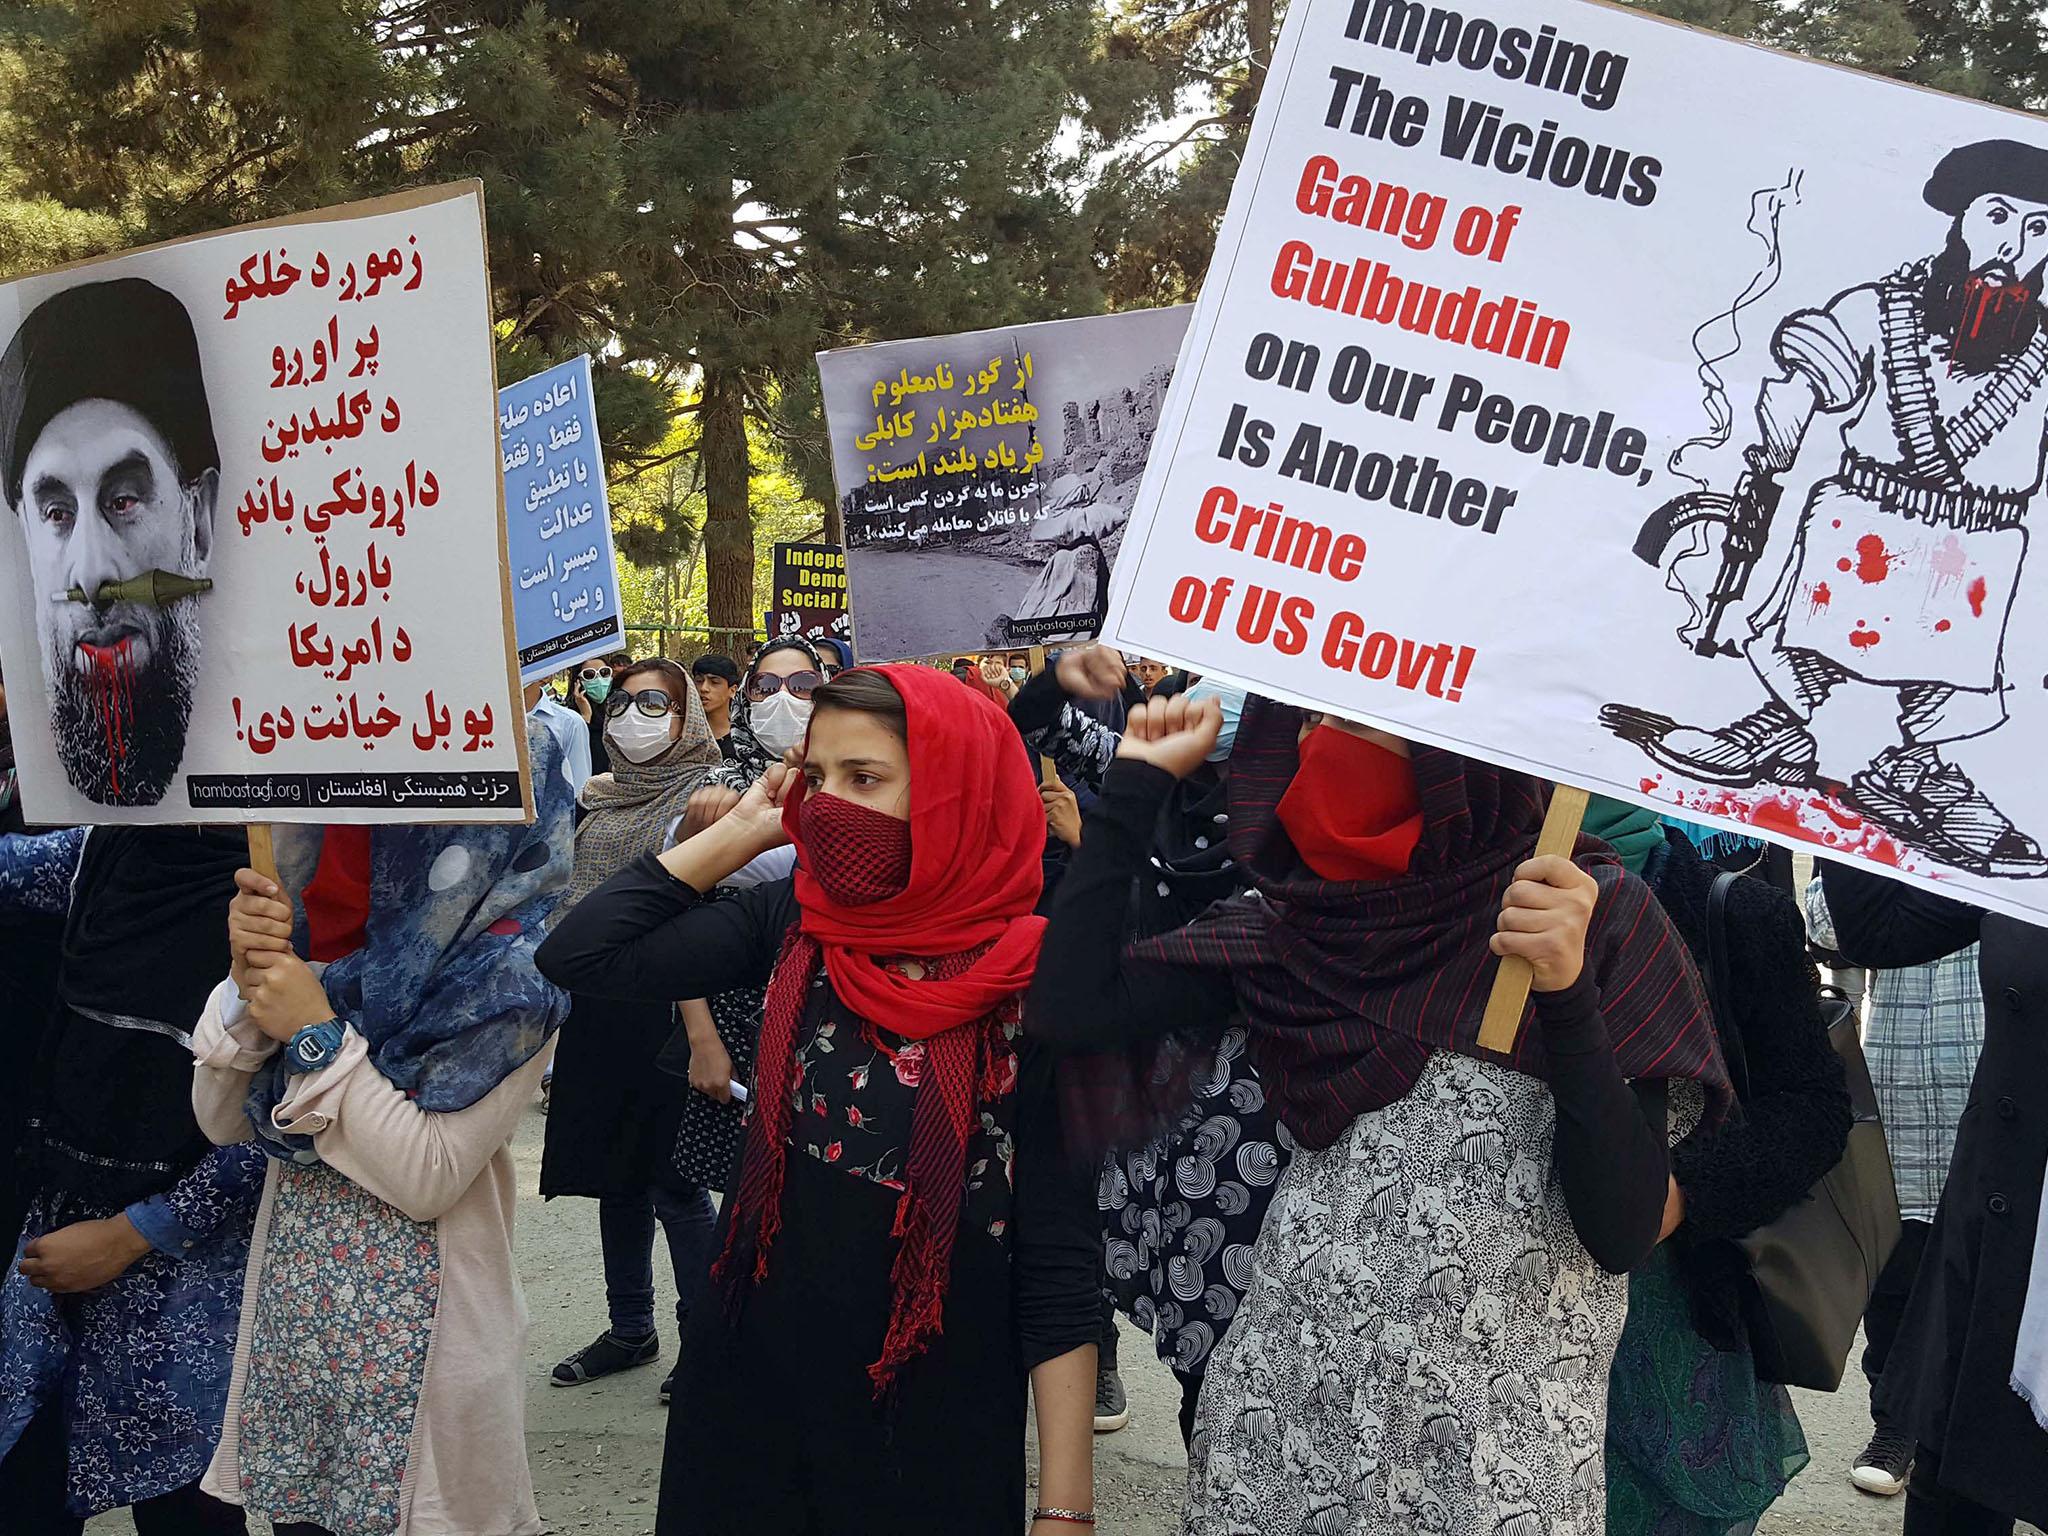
(652, 702)
(801, 685)
(592, 674)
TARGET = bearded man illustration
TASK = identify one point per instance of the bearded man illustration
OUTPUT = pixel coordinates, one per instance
(1906, 558)
(109, 460)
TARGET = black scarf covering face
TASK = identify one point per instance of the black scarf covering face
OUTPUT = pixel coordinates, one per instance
(145, 944)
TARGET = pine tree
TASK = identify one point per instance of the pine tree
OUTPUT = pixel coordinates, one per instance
(701, 193)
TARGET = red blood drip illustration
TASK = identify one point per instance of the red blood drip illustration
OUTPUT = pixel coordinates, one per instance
(1977, 598)
(1873, 562)
(113, 696)
(1863, 638)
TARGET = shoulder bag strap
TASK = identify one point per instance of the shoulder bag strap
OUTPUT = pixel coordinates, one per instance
(1721, 986)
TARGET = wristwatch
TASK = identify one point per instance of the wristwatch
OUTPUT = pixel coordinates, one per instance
(314, 1046)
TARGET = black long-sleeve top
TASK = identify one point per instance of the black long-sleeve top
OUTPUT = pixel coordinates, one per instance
(1885, 924)
(646, 935)
(1089, 995)
(1795, 1121)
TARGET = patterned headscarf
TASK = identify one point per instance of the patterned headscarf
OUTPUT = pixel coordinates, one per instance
(444, 988)
(1349, 986)
(631, 807)
(750, 758)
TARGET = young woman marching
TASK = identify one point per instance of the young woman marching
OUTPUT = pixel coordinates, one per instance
(1435, 1294)
(907, 1243)
(1696, 1444)
(613, 1123)
(379, 1384)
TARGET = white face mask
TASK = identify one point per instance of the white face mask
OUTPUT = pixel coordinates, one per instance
(639, 738)
(780, 721)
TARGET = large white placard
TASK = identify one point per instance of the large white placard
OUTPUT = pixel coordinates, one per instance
(252, 562)
(1641, 408)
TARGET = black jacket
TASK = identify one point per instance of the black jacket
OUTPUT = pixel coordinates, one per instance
(1948, 1377)
(1794, 1125)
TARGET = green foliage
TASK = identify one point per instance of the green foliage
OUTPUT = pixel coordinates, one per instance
(701, 193)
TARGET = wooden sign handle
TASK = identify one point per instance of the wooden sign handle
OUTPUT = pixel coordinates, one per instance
(262, 854)
(1510, 996)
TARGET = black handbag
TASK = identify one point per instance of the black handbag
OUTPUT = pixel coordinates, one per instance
(1805, 1277)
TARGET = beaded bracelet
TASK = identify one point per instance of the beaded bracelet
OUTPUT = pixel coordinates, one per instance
(1071, 1516)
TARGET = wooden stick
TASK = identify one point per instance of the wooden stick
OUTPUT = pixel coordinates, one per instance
(1509, 999)
(262, 854)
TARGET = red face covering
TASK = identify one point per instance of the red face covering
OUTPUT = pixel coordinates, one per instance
(954, 886)
(858, 855)
(1352, 811)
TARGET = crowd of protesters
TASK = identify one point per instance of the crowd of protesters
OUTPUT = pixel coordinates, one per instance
(936, 1018)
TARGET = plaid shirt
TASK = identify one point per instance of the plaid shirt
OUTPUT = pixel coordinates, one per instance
(1921, 1037)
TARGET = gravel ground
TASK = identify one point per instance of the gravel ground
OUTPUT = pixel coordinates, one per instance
(596, 1449)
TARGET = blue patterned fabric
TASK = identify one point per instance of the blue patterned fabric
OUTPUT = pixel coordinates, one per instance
(140, 1366)
(35, 872)
(444, 990)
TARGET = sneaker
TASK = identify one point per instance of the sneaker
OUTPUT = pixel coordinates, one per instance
(1883, 1466)
(1112, 1408)
(607, 1354)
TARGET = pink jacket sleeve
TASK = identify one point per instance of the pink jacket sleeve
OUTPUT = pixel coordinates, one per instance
(417, 1160)
(227, 1050)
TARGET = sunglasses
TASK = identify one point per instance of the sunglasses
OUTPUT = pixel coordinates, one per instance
(652, 702)
(801, 685)
(592, 674)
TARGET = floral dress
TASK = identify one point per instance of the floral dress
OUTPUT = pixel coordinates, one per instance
(1425, 1342)
(856, 1092)
(348, 1295)
(141, 1364)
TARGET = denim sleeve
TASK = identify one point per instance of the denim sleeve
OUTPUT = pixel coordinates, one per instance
(226, 1182)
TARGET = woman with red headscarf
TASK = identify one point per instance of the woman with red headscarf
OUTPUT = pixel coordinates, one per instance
(1435, 1295)
(907, 1244)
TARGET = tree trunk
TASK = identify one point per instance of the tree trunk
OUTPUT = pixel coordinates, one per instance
(728, 522)
(1258, 29)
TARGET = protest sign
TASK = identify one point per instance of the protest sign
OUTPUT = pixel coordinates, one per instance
(253, 562)
(565, 599)
(810, 593)
(1647, 410)
(985, 478)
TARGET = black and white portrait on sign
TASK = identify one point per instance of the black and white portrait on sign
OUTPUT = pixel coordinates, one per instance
(1922, 390)
(985, 478)
(111, 468)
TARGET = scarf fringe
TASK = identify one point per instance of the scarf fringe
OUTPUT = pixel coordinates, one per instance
(927, 1215)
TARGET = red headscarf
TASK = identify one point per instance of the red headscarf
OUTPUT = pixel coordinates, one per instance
(977, 829)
